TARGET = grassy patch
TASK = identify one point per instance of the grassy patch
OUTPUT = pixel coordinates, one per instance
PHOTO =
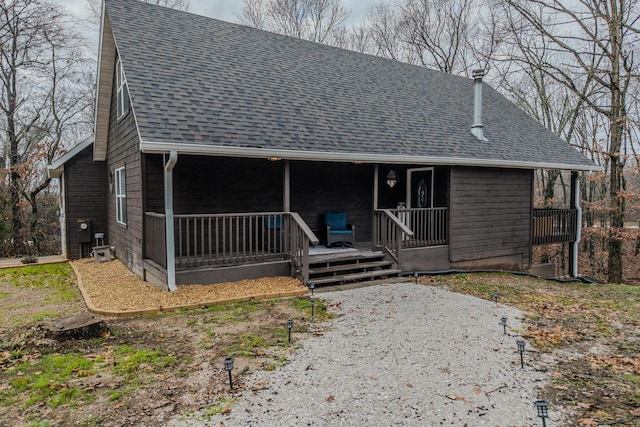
(4, 294)
(254, 344)
(47, 381)
(219, 407)
(45, 315)
(39, 276)
(36, 293)
(130, 361)
(304, 305)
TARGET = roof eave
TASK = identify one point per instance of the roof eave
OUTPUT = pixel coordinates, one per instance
(55, 169)
(157, 147)
(106, 64)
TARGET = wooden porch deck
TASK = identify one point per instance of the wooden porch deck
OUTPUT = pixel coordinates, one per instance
(281, 243)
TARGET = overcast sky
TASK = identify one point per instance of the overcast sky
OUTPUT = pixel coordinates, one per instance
(223, 9)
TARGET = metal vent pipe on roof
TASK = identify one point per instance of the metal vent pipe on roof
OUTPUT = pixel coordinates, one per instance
(476, 129)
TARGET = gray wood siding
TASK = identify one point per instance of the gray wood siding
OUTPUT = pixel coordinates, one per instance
(85, 187)
(317, 188)
(123, 150)
(228, 185)
(490, 213)
(216, 185)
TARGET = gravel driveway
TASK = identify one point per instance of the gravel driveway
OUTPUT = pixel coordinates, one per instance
(399, 354)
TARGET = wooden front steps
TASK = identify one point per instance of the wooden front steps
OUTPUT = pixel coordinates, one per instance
(349, 268)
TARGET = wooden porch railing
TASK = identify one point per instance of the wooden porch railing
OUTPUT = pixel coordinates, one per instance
(232, 239)
(429, 226)
(388, 234)
(155, 242)
(554, 226)
(300, 236)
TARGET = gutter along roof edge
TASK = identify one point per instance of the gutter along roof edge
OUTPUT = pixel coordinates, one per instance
(228, 151)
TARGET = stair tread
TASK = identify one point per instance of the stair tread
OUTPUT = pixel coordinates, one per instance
(353, 266)
(354, 276)
(345, 258)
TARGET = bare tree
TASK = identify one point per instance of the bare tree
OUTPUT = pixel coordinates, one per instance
(521, 63)
(40, 101)
(252, 14)
(439, 32)
(598, 36)
(316, 20)
(384, 24)
(95, 6)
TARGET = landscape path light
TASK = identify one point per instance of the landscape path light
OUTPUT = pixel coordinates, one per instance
(313, 303)
(228, 366)
(521, 345)
(312, 287)
(415, 275)
(289, 326)
(543, 412)
(503, 320)
(496, 294)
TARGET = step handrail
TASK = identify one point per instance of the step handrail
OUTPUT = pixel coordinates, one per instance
(389, 233)
(403, 227)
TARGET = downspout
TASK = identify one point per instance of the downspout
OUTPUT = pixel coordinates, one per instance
(575, 189)
(476, 128)
(168, 212)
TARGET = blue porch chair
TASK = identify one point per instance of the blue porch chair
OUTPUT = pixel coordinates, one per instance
(338, 231)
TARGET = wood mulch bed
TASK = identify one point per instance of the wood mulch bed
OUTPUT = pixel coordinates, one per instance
(110, 288)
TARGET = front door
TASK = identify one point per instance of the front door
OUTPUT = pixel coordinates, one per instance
(420, 188)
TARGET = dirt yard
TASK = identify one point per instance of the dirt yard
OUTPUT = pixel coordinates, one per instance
(142, 370)
(149, 369)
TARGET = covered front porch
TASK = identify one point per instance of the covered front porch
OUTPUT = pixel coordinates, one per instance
(211, 248)
(212, 219)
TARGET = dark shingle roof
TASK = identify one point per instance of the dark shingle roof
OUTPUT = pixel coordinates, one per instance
(203, 81)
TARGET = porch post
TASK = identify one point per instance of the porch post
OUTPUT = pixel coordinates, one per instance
(375, 187)
(168, 214)
(286, 202)
(374, 224)
(575, 204)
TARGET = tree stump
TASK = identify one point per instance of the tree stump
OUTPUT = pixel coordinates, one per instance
(76, 327)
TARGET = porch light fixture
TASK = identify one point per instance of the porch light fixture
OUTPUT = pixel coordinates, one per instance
(496, 294)
(392, 178)
(274, 159)
(228, 366)
(503, 320)
(289, 326)
(521, 345)
(543, 412)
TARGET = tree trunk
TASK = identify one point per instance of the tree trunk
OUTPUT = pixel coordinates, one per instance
(616, 121)
(549, 191)
(14, 162)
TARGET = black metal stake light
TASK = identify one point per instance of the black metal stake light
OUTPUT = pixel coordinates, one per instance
(228, 366)
(289, 326)
(503, 320)
(543, 411)
(415, 275)
(496, 294)
(521, 345)
(313, 303)
(312, 287)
